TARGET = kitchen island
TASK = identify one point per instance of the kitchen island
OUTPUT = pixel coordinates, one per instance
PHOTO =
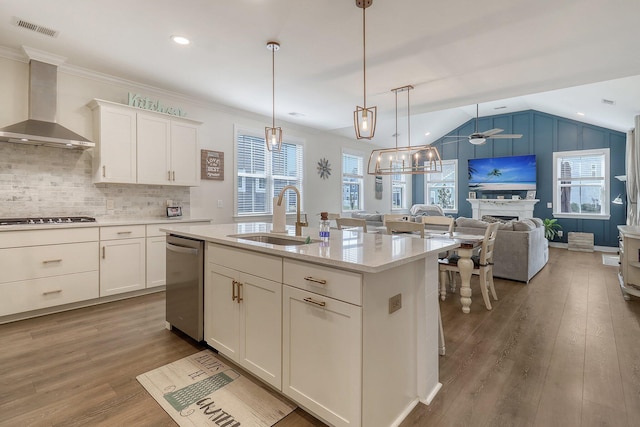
(347, 329)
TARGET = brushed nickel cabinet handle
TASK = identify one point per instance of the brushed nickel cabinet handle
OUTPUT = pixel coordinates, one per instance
(314, 280)
(103, 252)
(104, 171)
(57, 291)
(312, 301)
(48, 261)
(169, 175)
(174, 175)
(124, 232)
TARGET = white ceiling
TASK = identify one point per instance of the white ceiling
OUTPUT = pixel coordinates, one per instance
(559, 57)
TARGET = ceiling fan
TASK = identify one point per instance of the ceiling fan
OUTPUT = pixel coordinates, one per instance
(479, 138)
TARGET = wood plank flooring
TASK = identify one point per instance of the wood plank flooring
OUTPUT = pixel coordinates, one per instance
(561, 351)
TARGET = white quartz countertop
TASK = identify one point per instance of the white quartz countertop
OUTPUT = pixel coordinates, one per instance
(351, 250)
(102, 223)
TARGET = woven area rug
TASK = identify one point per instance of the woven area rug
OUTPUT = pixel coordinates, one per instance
(610, 259)
(200, 390)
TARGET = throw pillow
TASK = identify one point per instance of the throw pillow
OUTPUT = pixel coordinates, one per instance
(523, 225)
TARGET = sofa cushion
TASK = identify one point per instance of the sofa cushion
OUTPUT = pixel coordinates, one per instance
(524, 225)
(469, 222)
(537, 221)
(426, 210)
(373, 217)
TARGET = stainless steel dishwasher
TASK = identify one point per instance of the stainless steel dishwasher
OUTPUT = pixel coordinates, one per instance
(185, 285)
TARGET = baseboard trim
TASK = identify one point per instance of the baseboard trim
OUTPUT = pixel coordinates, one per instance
(595, 248)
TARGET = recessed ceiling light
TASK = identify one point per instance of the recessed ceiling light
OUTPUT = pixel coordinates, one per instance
(580, 114)
(180, 40)
(427, 133)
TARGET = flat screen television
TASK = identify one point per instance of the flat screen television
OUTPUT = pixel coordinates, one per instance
(503, 173)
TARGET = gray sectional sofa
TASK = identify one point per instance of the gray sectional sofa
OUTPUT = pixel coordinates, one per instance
(521, 250)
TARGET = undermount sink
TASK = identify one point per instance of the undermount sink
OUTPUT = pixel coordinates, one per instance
(273, 239)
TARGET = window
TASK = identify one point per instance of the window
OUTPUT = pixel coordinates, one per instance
(352, 182)
(581, 184)
(398, 188)
(262, 174)
(442, 188)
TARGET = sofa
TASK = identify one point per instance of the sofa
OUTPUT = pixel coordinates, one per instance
(377, 219)
(520, 251)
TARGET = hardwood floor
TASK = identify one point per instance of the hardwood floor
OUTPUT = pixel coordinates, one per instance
(561, 351)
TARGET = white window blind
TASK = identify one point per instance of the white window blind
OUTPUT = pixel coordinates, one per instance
(263, 174)
(581, 183)
(442, 188)
(352, 182)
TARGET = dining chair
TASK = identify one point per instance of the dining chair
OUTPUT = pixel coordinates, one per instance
(405, 227)
(352, 222)
(482, 265)
(439, 220)
(392, 217)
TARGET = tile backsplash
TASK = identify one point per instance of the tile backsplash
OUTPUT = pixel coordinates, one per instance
(44, 181)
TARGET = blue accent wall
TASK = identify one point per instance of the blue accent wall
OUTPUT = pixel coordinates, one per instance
(542, 135)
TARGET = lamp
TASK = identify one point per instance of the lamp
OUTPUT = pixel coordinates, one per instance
(477, 141)
(618, 200)
(364, 119)
(419, 159)
(273, 134)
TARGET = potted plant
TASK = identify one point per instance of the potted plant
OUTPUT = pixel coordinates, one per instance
(551, 228)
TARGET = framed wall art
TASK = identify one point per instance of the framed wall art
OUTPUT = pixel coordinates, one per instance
(212, 165)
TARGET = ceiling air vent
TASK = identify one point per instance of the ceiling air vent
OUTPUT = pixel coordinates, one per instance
(608, 102)
(502, 107)
(35, 27)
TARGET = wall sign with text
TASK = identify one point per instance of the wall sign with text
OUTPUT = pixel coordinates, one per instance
(212, 165)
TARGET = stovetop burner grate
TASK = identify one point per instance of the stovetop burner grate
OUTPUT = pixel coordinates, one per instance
(46, 220)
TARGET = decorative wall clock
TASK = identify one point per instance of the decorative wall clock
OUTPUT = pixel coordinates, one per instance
(324, 168)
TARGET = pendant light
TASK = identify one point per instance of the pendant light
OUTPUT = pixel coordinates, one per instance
(364, 119)
(273, 134)
(420, 159)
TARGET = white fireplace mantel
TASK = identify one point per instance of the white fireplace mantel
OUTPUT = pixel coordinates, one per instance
(521, 208)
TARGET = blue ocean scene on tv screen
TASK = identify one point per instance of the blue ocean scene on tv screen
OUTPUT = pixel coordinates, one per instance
(503, 173)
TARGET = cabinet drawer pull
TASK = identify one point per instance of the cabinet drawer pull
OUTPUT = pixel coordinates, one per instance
(104, 171)
(57, 291)
(239, 292)
(125, 232)
(314, 280)
(174, 175)
(233, 290)
(103, 251)
(169, 175)
(312, 301)
(48, 261)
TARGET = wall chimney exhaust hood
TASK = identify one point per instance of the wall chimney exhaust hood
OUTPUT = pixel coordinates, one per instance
(41, 127)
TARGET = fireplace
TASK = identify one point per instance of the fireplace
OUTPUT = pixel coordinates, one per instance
(503, 207)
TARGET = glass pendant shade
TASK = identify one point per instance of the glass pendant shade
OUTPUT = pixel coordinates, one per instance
(618, 200)
(364, 122)
(273, 138)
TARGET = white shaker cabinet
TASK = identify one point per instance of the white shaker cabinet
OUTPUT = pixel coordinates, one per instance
(322, 341)
(144, 147)
(114, 130)
(122, 259)
(243, 301)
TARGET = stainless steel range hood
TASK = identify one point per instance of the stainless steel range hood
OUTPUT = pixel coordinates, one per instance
(41, 127)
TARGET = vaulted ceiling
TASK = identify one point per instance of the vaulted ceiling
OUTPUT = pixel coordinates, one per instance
(561, 57)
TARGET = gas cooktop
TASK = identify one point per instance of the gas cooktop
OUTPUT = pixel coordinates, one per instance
(46, 220)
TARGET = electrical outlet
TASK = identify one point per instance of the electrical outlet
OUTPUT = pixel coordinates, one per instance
(549, 205)
(395, 303)
(220, 203)
(169, 202)
(560, 233)
(110, 204)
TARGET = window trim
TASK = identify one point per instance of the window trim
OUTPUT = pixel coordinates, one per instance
(607, 190)
(239, 130)
(399, 183)
(361, 155)
(455, 186)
